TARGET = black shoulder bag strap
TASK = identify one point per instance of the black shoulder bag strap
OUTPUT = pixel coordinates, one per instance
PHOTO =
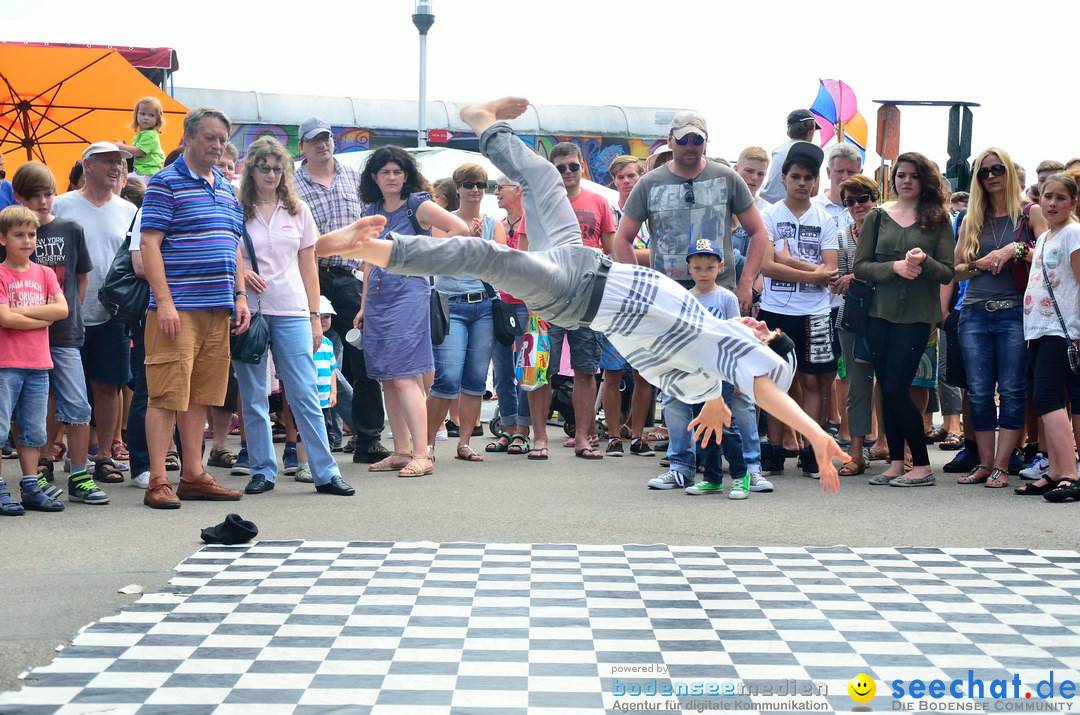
(1050, 290)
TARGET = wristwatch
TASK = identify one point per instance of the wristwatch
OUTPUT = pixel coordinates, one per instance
(239, 293)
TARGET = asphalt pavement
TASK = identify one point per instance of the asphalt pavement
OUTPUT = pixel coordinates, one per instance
(63, 571)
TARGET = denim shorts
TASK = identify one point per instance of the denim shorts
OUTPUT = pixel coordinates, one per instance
(463, 358)
(610, 359)
(68, 384)
(585, 349)
(24, 397)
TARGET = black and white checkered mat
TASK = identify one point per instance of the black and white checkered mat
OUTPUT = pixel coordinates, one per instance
(383, 627)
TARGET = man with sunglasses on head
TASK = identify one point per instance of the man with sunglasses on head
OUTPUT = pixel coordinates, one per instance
(332, 191)
(689, 198)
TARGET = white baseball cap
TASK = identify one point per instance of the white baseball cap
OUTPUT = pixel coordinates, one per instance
(104, 148)
(325, 308)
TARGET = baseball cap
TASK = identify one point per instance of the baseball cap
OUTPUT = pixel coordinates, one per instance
(688, 122)
(806, 151)
(704, 246)
(799, 115)
(104, 148)
(325, 308)
(313, 127)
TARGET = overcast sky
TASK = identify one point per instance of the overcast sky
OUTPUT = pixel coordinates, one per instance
(745, 65)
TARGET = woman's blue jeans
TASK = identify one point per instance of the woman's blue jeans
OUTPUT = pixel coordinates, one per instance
(290, 343)
(462, 361)
(513, 401)
(996, 358)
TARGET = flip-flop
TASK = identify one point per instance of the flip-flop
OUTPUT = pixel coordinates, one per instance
(584, 454)
(538, 453)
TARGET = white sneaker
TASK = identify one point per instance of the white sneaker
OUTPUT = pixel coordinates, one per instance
(667, 480)
(440, 436)
(1037, 469)
(142, 481)
(759, 483)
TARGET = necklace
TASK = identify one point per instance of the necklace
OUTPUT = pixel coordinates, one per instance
(993, 231)
(269, 201)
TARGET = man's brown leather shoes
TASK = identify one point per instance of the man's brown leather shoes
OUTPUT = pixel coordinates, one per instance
(159, 495)
(205, 487)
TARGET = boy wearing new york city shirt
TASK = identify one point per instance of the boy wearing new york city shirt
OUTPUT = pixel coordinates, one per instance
(30, 301)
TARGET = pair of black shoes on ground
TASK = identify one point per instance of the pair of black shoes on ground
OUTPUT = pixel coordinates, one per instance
(336, 486)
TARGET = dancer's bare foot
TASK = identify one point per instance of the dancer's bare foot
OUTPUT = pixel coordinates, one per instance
(481, 116)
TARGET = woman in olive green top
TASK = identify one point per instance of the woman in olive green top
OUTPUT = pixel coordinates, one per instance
(909, 257)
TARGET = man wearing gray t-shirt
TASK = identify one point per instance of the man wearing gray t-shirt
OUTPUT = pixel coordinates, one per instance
(689, 198)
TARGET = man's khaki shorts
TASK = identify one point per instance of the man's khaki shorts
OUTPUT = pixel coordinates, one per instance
(194, 368)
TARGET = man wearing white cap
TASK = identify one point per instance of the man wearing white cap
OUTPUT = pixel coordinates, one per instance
(105, 219)
(689, 198)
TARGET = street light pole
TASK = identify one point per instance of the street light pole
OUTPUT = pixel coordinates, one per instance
(423, 18)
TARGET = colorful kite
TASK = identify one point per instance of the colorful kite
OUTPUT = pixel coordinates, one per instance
(837, 112)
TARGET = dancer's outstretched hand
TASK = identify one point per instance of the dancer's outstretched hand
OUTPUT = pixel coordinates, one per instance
(711, 421)
(761, 331)
(826, 450)
(365, 229)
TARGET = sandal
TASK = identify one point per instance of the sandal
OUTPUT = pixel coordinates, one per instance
(999, 478)
(466, 454)
(386, 464)
(1067, 489)
(952, 442)
(56, 452)
(935, 435)
(879, 455)
(8, 506)
(970, 477)
(852, 469)
(120, 451)
(498, 445)
(571, 443)
(221, 457)
(588, 453)
(655, 434)
(417, 471)
(1033, 489)
(172, 461)
(107, 472)
(38, 500)
(519, 444)
(538, 453)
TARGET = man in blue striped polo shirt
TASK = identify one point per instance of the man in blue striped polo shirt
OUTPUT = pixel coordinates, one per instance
(191, 228)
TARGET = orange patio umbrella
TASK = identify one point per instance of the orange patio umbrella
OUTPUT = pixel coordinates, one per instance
(54, 101)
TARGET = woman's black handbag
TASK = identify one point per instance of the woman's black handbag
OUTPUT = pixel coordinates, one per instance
(123, 294)
(859, 296)
(440, 315)
(504, 316)
(250, 346)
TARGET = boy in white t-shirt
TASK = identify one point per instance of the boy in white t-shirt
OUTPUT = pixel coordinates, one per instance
(796, 297)
(704, 262)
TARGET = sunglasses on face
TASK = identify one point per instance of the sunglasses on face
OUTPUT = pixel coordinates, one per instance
(263, 168)
(572, 168)
(482, 185)
(996, 170)
(689, 195)
(860, 199)
(695, 139)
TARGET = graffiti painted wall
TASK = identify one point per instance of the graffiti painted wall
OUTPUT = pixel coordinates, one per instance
(597, 152)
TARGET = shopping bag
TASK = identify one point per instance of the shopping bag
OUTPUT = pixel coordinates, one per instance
(532, 363)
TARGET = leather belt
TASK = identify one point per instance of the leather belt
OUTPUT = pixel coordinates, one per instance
(469, 297)
(992, 306)
(598, 284)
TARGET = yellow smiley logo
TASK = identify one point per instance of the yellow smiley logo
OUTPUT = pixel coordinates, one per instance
(862, 688)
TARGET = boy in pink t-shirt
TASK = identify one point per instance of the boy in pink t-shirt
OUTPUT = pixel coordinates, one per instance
(30, 301)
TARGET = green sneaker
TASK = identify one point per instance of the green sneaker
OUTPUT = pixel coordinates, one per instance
(51, 490)
(740, 487)
(85, 491)
(705, 488)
